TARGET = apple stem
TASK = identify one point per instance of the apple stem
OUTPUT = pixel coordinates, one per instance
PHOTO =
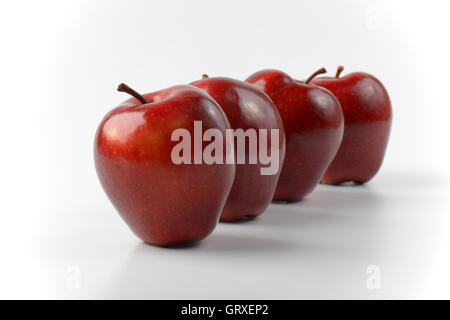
(205, 76)
(320, 71)
(339, 70)
(125, 88)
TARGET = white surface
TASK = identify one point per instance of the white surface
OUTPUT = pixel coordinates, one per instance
(61, 62)
(318, 248)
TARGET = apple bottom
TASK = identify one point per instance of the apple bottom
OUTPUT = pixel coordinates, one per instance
(305, 162)
(250, 195)
(165, 204)
(361, 153)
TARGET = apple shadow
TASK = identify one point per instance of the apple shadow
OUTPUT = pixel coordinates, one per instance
(287, 201)
(218, 241)
(223, 242)
(351, 212)
(326, 205)
(147, 269)
(243, 220)
(345, 184)
(405, 182)
(179, 246)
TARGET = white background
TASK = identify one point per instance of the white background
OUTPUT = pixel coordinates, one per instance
(60, 64)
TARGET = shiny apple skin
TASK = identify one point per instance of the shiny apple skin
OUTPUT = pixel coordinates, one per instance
(313, 123)
(368, 117)
(247, 107)
(163, 203)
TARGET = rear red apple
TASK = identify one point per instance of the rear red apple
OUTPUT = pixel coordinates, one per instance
(163, 203)
(368, 116)
(313, 124)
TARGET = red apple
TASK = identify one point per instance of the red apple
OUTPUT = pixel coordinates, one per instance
(162, 202)
(368, 116)
(246, 108)
(313, 123)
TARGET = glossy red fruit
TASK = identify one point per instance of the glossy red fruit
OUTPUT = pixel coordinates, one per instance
(368, 116)
(313, 123)
(247, 107)
(163, 203)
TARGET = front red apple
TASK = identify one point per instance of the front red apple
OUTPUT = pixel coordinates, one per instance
(368, 116)
(162, 202)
